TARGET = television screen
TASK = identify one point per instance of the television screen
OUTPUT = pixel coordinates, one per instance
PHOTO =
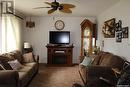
(59, 37)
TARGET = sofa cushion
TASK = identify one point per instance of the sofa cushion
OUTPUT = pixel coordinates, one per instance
(15, 64)
(29, 66)
(28, 57)
(25, 69)
(33, 65)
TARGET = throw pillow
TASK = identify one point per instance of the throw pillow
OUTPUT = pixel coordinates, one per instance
(15, 64)
(1, 67)
(125, 76)
(87, 61)
(28, 57)
(6, 65)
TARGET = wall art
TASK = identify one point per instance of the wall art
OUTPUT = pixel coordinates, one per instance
(125, 31)
(119, 36)
(108, 29)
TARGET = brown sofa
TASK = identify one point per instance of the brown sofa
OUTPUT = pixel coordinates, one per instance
(20, 77)
(101, 66)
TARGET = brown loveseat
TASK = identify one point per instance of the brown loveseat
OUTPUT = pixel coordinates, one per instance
(101, 66)
(20, 77)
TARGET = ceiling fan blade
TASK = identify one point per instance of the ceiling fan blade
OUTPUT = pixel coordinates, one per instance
(67, 5)
(41, 7)
(66, 10)
(51, 11)
(48, 3)
(52, 4)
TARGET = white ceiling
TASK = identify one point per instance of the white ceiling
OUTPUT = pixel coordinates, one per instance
(83, 7)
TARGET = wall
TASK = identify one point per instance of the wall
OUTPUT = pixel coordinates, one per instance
(39, 36)
(120, 11)
(0, 33)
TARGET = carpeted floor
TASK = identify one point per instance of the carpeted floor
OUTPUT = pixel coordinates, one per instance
(56, 77)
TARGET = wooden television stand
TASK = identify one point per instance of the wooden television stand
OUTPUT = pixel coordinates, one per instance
(59, 54)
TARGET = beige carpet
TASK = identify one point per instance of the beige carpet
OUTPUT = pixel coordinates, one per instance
(56, 77)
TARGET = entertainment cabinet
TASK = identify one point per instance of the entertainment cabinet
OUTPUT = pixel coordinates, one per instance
(59, 55)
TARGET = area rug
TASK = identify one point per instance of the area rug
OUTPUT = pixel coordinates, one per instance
(56, 77)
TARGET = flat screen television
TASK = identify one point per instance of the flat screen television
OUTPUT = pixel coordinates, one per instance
(59, 37)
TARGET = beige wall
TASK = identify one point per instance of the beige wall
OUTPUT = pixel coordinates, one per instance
(120, 11)
(0, 33)
(39, 36)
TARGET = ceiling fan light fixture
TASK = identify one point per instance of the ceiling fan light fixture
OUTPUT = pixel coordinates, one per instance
(55, 5)
(60, 7)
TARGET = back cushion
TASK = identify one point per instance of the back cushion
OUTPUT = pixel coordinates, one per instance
(6, 57)
(28, 57)
(106, 59)
(17, 55)
(113, 61)
(98, 58)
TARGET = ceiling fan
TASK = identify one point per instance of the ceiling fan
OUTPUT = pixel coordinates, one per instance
(63, 7)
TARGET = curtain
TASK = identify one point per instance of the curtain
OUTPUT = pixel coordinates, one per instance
(11, 33)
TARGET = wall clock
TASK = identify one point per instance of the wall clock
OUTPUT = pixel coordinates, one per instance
(59, 25)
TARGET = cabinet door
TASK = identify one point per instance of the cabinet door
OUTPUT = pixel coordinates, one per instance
(88, 38)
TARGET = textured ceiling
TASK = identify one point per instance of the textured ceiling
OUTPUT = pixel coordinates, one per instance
(83, 7)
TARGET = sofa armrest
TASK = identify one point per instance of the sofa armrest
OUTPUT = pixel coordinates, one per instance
(9, 77)
(36, 57)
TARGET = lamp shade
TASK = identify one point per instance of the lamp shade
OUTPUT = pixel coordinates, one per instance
(27, 45)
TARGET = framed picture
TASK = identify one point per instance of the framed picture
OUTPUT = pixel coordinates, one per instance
(118, 26)
(119, 36)
(109, 28)
(125, 31)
